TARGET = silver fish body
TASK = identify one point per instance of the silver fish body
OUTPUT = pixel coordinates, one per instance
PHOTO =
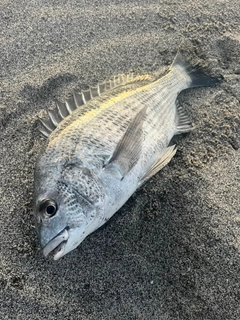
(107, 142)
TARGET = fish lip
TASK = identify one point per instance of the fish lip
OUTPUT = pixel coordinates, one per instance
(58, 242)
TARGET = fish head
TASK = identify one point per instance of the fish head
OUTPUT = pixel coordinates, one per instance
(68, 209)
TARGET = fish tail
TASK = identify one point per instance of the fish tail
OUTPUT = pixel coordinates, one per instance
(198, 77)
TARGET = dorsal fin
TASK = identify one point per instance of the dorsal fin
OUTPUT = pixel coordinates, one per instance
(78, 99)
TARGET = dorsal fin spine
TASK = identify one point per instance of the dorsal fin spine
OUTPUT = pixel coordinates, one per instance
(102, 87)
(91, 93)
(78, 98)
(86, 95)
(47, 124)
(68, 108)
(71, 104)
(60, 112)
(94, 92)
(52, 117)
(83, 98)
(44, 131)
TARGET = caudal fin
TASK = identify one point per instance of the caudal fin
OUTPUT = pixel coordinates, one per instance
(198, 77)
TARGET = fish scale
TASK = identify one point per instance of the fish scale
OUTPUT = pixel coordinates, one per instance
(120, 114)
(103, 144)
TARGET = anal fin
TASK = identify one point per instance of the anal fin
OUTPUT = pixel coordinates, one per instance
(184, 123)
(162, 161)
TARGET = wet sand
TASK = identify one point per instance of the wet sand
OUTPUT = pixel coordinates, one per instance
(172, 251)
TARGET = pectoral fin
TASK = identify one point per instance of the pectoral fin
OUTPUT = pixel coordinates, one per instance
(163, 160)
(129, 147)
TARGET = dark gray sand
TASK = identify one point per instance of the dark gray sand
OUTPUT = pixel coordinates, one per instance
(172, 252)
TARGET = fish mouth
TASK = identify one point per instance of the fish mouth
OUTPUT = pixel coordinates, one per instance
(57, 244)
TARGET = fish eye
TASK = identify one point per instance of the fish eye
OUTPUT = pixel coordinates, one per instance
(48, 207)
(50, 210)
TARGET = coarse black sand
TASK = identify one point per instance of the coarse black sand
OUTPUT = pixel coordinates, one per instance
(172, 252)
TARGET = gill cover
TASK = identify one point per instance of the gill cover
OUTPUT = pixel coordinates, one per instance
(74, 210)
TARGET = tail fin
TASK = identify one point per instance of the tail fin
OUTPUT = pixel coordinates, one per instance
(198, 77)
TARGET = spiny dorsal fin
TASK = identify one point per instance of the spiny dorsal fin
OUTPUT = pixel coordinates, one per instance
(78, 99)
(129, 147)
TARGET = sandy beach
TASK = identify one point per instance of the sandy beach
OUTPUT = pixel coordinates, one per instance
(172, 252)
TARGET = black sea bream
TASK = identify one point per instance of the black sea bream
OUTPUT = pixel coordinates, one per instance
(103, 144)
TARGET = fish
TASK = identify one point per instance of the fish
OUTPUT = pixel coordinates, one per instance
(102, 145)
